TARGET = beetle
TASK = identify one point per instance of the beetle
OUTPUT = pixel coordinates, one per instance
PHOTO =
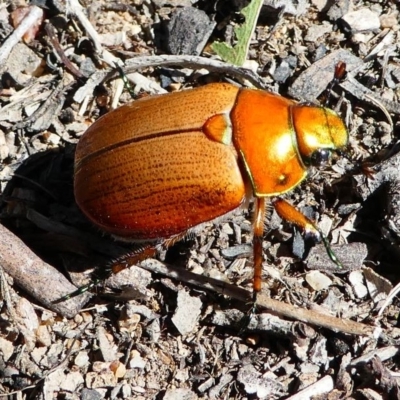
(157, 168)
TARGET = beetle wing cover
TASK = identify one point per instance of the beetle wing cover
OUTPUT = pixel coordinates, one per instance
(160, 187)
(145, 177)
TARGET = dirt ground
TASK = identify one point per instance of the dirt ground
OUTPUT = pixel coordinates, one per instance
(181, 325)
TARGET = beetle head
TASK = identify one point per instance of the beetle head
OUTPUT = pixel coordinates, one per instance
(318, 132)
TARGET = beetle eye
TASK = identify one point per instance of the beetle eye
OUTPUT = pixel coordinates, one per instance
(320, 157)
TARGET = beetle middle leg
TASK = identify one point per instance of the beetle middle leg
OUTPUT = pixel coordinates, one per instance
(289, 213)
(259, 217)
(258, 233)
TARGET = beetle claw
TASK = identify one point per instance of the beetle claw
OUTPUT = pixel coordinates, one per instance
(330, 252)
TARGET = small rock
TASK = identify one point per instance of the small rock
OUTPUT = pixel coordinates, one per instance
(81, 359)
(216, 391)
(118, 368)
(128, 324)
(350, 255)
(389, 21)
(107, 348)
(187, 312)
(4, 150)
(53, 139)
(23, 63)
(89, 394)
(188, 31)
(113, 39)
(206, 385)
(363, 20)
(182, 375)
(289, 6)
(338, 9)
(309, 368)
(28, 320)
(43, 336)
(252, 65)
(175, 3)
(179, 394)
(378, 286)
(240, 250)
(319, 353)
(154, 330)
(100, 380)
(126, 391)
(7, 349)
(136, 360)
(285, 69)
(26, 311)
(316, 31)
(58, 380)
(320, 4)
(137, 278)
(331, 302)
(356, 279)
(318, 281)
(72, 381)
(135, 310)
(307, 380)
(255, 383)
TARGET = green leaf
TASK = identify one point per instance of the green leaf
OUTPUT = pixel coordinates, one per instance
(237, 54)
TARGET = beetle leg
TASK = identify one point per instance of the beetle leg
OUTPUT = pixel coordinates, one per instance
(147, 251)
(133, 258)
(125, 261)
(115, 267)
(289, 213)
(259, 217)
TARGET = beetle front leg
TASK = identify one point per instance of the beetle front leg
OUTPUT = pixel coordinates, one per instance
(259, 216)
(289, 213)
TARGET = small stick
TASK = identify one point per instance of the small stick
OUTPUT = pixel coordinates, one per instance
(324, 385)
(52, 34)
(74, 8)
(262, 301)
(40, 280)
(30, 20)
(194, 62)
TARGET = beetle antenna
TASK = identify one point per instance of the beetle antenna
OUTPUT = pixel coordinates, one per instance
(339, 74)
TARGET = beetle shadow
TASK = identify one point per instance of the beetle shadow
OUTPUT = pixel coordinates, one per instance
(374, 230)
(39, 207)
